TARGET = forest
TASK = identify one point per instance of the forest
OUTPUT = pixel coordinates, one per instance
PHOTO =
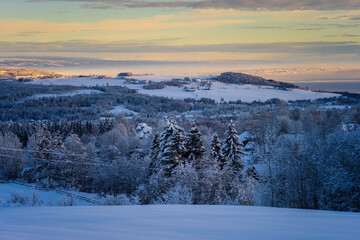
(282, 154)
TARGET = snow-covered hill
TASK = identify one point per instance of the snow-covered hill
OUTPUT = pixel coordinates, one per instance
(176, 222)
(218, 91)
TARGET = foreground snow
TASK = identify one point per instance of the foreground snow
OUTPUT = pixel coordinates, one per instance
(175, 222)
(219, 91)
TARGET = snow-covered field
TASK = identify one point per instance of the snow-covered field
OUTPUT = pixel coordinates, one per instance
(231, 92)
(66, 94)
(176, 222)
(120, 109)
(219, 91)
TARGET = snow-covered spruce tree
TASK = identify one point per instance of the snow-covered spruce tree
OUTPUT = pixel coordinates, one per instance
(194, 145)
(216, 153)
(154, 152)
(11, 159)
(54, 153)
(232, 149)
(46, 152)
(171, 148)
(76, 169)
(159, 145)
(165, 134)
(35, 169)
(181, 187)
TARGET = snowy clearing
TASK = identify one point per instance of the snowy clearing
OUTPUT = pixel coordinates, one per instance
(120, 109)
(329, 107)
(232, 92)
(175, 222)
(66, 94)
(219, 91)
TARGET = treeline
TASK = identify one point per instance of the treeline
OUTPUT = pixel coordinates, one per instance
(24, 130)
(292, 157)
(16, 107)
(52, 162)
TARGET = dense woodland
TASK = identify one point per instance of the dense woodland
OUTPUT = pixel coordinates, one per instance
(295, 154)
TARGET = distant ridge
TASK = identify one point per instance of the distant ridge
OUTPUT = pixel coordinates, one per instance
(242, 78)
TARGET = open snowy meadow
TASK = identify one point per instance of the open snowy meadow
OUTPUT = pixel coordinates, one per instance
(175, 222)
(219, 91)
(85, 222)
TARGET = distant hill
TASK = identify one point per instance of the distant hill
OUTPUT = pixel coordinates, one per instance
(242, 78)
(19, 74)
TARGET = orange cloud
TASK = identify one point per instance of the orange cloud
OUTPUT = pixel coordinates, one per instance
(12, 29)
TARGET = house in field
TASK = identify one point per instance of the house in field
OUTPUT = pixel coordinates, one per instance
(191, 89)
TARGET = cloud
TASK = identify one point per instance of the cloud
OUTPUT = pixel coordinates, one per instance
(351, 35)
(115, 27)
(223, 4)
(45, 61)
(335, 25)
(334, 18)
(310, 29)
(29, 33)
(267, 27)
(311, 48)
(344, 35)
(342, 17)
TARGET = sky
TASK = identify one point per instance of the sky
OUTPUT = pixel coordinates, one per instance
(260, 33)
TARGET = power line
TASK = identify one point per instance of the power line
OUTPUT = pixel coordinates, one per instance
(51, 160)
(73, 162)
(57, 154)
(44, 151)
(97, 163)
(108, 165)
(85, 157)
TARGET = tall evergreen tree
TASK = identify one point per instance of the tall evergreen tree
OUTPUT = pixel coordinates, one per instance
(101, 128)
(194, 145)
(11, 156)
(171, 148)
(232, 149)
(216, 151)
(159, 145)
(89, 128)
(165, 134)
(47, 151)
(75, 170)
(56, 150)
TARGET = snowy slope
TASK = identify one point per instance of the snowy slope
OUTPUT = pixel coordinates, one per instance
(219, 91)
(176, 222)
(50, 198)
